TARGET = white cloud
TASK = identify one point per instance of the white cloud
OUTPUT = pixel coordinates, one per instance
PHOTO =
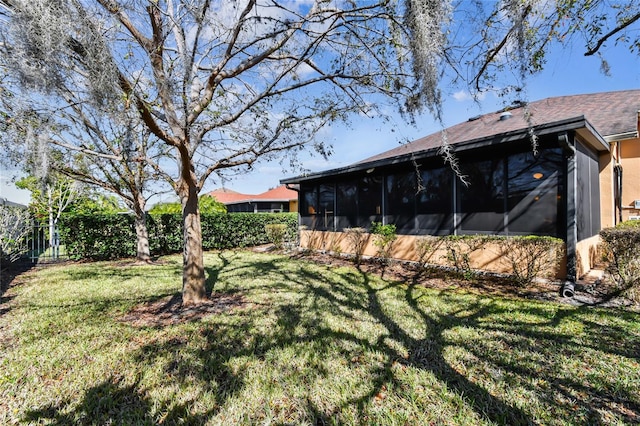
(463, 95)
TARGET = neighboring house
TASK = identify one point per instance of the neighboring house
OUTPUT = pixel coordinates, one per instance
(5, 202)
(276, 200)
(583, 176)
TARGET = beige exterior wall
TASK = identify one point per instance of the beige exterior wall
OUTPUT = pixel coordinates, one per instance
(630, 161)
(487, 258)
(607, 202)
(627, 153)
(587, 255)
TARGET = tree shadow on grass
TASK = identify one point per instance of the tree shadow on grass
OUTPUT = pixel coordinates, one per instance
(109, 402)
(9, 272)
(359, 298)
(211, 356)
(427, 352)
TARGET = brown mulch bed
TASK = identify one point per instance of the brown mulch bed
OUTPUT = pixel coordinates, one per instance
(587, 293)
(170, 310)
(438, 278)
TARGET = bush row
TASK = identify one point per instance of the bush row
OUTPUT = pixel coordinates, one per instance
(112, 236)
(526, 257)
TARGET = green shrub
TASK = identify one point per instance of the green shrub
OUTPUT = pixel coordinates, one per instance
(98, 236)
(276, 233)
(383, 238)
(621, 244)
(459, 249)
(425, 248)
(112, 236)
(531, 257)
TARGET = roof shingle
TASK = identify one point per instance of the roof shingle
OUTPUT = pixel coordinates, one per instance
(610, 113)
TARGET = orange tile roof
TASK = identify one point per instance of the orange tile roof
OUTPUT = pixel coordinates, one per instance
(280, 193)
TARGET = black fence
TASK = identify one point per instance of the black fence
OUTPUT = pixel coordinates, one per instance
(44, 245)
(39, 244)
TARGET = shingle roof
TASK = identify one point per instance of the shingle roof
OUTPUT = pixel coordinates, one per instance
(610, 113)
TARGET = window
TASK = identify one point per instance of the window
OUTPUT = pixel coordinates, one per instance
(326, 203)
(534, 188)
(308, 205)
(435, 201)
(308, 200)
(482, 201)
(400, 199)
(346, 205)
(369, 200)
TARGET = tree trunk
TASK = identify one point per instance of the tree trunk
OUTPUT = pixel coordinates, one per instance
(193, 280)
(143, 253)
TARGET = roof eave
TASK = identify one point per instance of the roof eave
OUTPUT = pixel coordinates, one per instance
(260, 200)
(621, 136)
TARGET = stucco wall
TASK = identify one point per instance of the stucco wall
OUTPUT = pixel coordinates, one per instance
(587, 255)
(607, 202)
(486, 258)
(630, 161)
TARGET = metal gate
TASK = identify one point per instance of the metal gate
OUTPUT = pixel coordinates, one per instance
(44, 244)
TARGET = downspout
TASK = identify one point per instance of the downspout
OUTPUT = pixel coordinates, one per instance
(566, 142)
(617, 169)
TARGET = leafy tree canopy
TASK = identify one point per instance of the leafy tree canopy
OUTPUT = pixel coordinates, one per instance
(207, 204)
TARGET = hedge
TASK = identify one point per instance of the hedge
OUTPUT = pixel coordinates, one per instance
(621, 246)
(112, 236)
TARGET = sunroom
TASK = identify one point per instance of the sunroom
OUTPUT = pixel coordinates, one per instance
(507, 183)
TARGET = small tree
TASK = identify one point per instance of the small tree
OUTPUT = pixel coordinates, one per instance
(357, 239)
(15, 225)
(51, 195)
(383, 238)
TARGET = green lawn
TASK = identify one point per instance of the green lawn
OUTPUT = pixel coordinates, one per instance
(311, 344)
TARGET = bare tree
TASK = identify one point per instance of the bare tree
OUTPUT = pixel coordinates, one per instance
(224, 84)
(15, 225)
(109, 150)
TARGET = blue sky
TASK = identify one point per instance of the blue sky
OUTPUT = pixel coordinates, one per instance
(566, 72)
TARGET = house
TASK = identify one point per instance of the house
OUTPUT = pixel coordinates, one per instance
(5, 202)
(583, 175)
(277, 200)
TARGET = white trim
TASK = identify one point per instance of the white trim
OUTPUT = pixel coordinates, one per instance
(621, 136)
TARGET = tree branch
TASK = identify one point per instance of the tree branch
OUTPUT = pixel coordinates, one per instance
(605, 37)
